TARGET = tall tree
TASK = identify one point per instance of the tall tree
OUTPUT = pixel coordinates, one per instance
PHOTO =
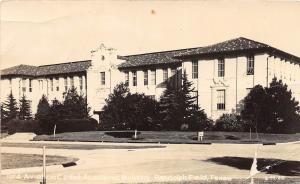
(284, 108)
(115, 112)
(75, 105)
(43, 109)
(272, 109)
(43, 114)
(25, 112)
(169, 106)
(10, 108)
(178, 106)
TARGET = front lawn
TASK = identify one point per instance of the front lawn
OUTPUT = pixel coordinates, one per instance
(15, 160)
(174, 137)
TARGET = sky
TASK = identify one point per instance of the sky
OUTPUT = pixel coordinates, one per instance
(47, 32)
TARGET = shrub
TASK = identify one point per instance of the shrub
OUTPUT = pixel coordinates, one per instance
(122, 134)
(17, 125)
(76, 125)
(230, 123)
(126, 111)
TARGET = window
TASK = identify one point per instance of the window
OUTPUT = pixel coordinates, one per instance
(195, 69)
(30, 85)
(165, 75)
(51, 84)
(250, 65)
(24, 85)
(72, 82)
(80, 83)
(41, 84)
(153, 77)
(221, 68)
(102, 78)
(66, 83)
(126, 78)
(134, 78)
(57, 83)
(146, 77)
(221, 99)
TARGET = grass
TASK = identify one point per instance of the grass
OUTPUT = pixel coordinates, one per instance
(75, 146)
(15, 160)
(174, 137)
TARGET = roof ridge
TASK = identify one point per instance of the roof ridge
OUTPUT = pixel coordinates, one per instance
(160, 52)
(65, 63)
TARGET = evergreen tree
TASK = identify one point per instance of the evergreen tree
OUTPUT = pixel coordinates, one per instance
(10, 108)
(169, 107)
(179, 107)
(115, 112)
(43, 114)
(187, 103)
(43, 109)
(56, 111)
(284, 109)
(25, 112)
(75, 105)
(272, 109)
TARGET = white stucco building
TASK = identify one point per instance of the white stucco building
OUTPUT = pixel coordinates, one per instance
(222, 74)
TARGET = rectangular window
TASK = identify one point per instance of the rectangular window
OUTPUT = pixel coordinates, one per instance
(195, 69)
(102, 78)
(41, 84)
(57, 83)
(153, 77)
(146, 77)
(165, 74)
(250, 65)
(134, 78)
(221, 68)
(80, 83)
(126, 78)
(30, 85)
(72, 82)
(51, 84)
(221, 99)
(24, 85)
(66, 83)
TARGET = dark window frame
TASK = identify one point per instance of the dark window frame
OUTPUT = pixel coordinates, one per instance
(195, 69)
(221, 67)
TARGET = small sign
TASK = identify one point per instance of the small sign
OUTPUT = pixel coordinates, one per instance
(200, 136)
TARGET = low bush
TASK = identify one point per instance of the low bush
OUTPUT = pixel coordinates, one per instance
(122, 134)
(76, 125)
(17, 125)
(229, 123)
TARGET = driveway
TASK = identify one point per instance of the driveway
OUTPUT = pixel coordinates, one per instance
(176, 162)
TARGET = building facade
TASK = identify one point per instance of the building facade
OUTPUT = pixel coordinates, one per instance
(222, 74)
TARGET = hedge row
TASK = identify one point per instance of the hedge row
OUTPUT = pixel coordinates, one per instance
(68, 125)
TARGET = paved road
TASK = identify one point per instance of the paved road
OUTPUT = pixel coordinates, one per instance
(172, 163)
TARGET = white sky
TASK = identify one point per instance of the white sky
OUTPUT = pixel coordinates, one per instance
(45, 32)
